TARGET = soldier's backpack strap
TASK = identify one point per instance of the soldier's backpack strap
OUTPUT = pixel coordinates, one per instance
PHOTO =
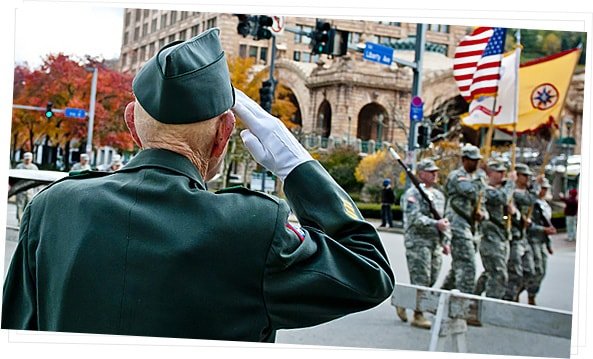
(247, 191)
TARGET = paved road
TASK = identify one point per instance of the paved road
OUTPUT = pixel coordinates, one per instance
(380, 328)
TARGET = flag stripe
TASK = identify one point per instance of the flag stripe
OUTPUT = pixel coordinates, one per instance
(477, 62)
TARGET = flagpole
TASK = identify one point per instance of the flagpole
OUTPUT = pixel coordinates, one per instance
(490, 132)
(516, 107)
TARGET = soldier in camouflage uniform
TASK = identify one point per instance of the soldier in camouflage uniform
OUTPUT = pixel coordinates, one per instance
(494, 245)
(539, 241)
(464, 189)
(23, 198)
(425, 236)
(520, 262)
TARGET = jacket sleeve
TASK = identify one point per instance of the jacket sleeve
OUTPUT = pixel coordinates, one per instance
(19, 303)
(333, 265)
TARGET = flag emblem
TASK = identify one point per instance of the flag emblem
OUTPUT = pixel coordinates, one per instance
(544, 96)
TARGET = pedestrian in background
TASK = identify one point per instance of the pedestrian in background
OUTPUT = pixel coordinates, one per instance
(149, 251)
(424, 235)
(83, 164)
(24, 197)
(571, 208)
(387, 200)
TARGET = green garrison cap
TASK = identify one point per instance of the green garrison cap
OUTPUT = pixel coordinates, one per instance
(186, 81)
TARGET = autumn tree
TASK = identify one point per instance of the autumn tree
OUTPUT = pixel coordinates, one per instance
(66, 82)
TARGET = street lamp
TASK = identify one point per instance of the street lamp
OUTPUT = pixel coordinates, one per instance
(89, 143)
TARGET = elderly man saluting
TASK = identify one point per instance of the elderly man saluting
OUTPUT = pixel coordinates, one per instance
(172, 259)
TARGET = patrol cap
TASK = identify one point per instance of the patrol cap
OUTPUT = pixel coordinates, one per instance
(84, 156)
(186, 81)
(546, 183)
(523, 169)
(470, 151)
(28, 155)
(496, 165)
(427, 165)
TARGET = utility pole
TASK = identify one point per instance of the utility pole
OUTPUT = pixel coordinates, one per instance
(416, 88)
(89, 143)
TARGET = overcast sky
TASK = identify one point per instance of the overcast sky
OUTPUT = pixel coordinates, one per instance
(76, 30)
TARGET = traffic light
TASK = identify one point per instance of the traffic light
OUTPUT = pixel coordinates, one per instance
(245, 25)
(49, 113)
(262, 32)
(321, 38)
(266, 95)
(423, 136)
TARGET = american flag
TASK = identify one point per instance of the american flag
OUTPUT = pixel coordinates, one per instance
(477, 62)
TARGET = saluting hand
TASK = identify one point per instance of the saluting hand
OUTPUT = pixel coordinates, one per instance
(270, 143)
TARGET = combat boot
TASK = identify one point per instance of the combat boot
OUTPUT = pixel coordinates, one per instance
(531, 299)
(420, 322)
(401, 313)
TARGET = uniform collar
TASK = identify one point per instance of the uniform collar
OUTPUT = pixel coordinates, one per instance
(159, 158)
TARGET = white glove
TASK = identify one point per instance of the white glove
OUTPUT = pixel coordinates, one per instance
(270, 143)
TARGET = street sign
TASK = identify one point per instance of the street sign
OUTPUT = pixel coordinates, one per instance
(278, 25)
(378, 53)
(416, 109)
(75, 112)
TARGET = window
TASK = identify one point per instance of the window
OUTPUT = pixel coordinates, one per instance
(354, 38)
(128, 18)
(385, 40)
(296, 56)
(438, 28)
(136, 33)
(183, 15)
(211, 23)
(153, 25)
(182, 35)
(302, 39)
(163, 21)
(124, 60)
(134, 57)
(144, 29)
(195, 30)
(137, 17)
(253, 51)
(173, 17)
(161, 42)
(151, 48)
(142, 53)
(306, 56)
(172, 38)
(146, 12)
(126, 38)
(263, 55)
(243, 51)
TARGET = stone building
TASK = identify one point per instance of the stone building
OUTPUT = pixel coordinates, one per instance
(342, 98)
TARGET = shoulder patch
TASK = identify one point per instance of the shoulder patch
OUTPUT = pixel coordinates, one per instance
(247, 192)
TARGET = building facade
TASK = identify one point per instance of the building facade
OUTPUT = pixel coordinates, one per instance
(344, 98)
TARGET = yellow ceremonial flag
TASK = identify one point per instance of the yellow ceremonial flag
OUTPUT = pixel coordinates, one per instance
(543, 85)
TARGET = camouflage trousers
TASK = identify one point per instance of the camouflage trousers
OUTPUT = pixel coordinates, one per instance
(22, 199)
(424, 264)
(462, 275)
(494, 252)
(540, 259)
(520, 267)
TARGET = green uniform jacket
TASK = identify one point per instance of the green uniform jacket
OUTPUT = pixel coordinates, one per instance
(149, 251)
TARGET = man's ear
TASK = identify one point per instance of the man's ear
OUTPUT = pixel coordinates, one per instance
(223, 133)
(129, 118)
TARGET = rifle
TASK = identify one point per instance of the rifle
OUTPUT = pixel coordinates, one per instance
(416, 183)
(547, 223)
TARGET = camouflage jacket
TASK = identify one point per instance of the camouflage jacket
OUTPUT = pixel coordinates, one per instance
(419, 224)
(463, 190)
